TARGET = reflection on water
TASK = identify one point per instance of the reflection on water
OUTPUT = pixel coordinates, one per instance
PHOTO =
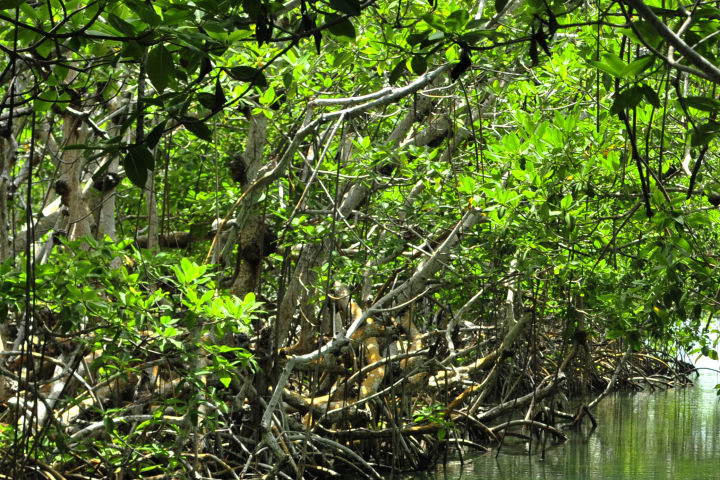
(666, 435)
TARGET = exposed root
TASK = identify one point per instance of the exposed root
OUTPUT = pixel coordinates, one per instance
(393, 399)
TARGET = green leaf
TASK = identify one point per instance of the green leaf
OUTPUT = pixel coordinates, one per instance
(474, 36)
(638, 66)
(350, 7)
(7, 4)
(170, 332)
(30, 12)
(146, 13)
(613, 333)
(206, 99)
(649, 35)
(661, 313)
(248, 300)
(418, 64)
(207, 296)
(189, 268)
(198, 128)
(461, 66)
(435, 20)
(63, 101)
(153, 137)
(225, 379)
(137, 162)
(706, 104)
(344, 28)
(109, 424)
(159, 67)
(611, 64)
(616, 67)
(628, 98)
(397, 72)
(121, 25)
(219, 97)
(268, 97)
(566, 202)
(253, 8)
(179, 274)
(650, 95)
(248, 74)
(456, 20)
(417, 38)
(41, 105)
(132, 49)
(705, 133)
(45, 48)
(263, 30)
(466, 184)
(667, 12)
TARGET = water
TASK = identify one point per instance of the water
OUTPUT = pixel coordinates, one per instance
(645, 436)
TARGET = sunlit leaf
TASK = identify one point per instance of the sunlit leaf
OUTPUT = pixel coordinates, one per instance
(638, 66)
(225, 379)
(611, 64)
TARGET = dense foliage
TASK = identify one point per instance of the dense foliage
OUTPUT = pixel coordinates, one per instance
(213, 214)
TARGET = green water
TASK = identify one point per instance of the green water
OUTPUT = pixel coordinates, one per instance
(666, 435)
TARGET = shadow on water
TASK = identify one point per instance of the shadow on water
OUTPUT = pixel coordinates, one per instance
(673, 434)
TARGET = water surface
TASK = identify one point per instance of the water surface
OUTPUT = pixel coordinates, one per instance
(644, 436)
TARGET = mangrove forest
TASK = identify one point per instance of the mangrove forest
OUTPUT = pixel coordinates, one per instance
(305, 239)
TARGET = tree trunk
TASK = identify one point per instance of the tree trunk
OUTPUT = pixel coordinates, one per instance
(251, 245)
(153, 243)
(68, 186)
(8, 149)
